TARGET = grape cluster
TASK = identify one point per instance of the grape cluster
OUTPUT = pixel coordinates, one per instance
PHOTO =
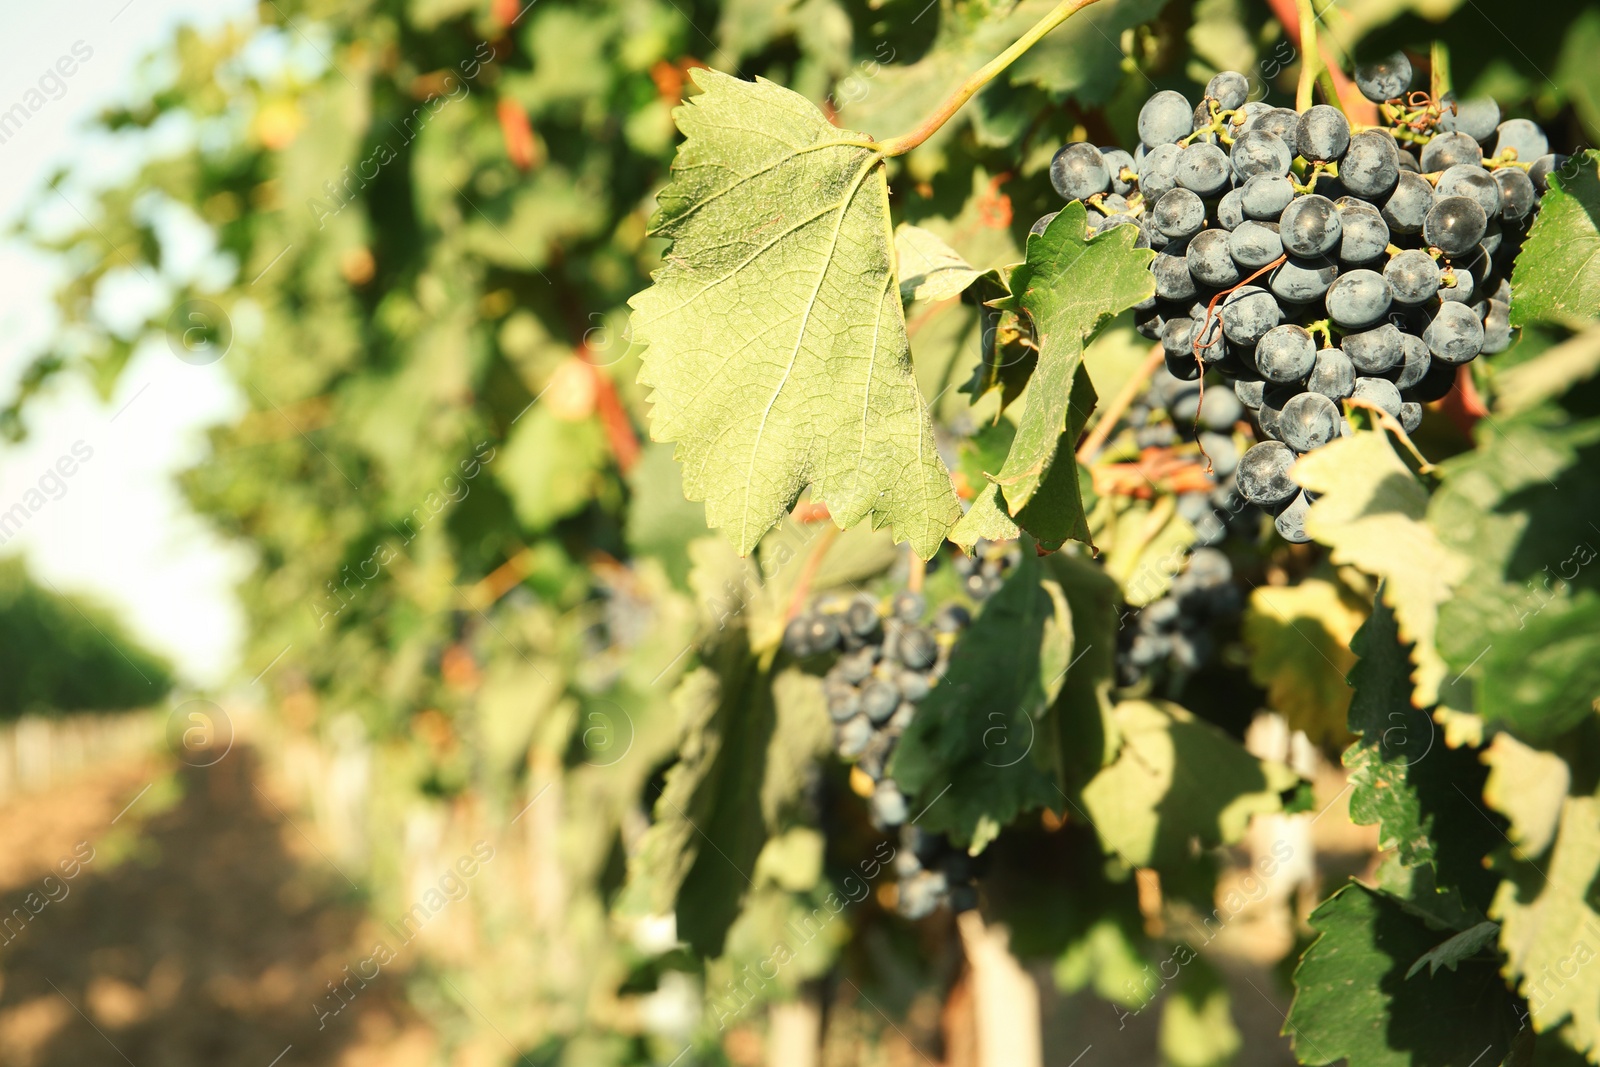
(1310, 263)
(1175, 630)
(1173, 412)
(887, 661)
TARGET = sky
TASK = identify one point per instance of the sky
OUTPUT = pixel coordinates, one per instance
(115, 528)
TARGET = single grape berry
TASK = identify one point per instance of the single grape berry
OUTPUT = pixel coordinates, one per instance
(1078, 171)
(1230, 209)
(1334, 376)
(1308, 421)
(1291, 521)
(1363, 233)
(1410, 416)
(1447, 150)
(1385, 79)
(1166, 118)
(1263, 474)
(1173, 280)
(1413, 277)
(1229, 89)
(1379, 391)
(1248, 313)
(1264, 196)
(1209, 259)
(1260, 152)
(1323, 134)
(1520, 139)
(1179, 214)
(1255, 244)
(1371, 165)
(909, 606)
(1202, 168)
(1285, 354)
(1358, 298)
(1309, 226)
(1496, 316)
(1476, 118)
(1518, 196)
(1408, 204)
(1300, 281)
(1121, 168)
(1455, 224)
(1455, 335)
(1414, 361)
(1373, 351)
(796, 637)
(1466, 180)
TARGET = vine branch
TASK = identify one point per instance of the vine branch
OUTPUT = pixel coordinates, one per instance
(899, 146)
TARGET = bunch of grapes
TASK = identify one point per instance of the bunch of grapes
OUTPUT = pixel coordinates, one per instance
(888, 657)
(1171, 413)
(1175, 630)
(1311, 263)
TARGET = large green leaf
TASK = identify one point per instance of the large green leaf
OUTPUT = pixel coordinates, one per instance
(1405, 780)
(746, 740)
(1353, 1001)
(1177, 780)
(1068, 287)
(777, 354)
(972, 754)
(1370, 512)
(1521, 630)
(1557, 276)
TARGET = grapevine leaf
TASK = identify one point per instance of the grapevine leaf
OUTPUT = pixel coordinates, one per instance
(1407, 782)
(929, 268)
(777, 349)
(1068, 287)
(1528, 787)
(1550, 928)
(1056, 513)
(1522, 627)
(1352, 1000)
(746, 740)
(1369, 511)
(965, 768)
(1084, 714)
(1299, 641)
(1177, 779)
(1450, 952)
(1557, 276)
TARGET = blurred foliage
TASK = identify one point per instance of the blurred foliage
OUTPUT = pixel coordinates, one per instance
(62, 653)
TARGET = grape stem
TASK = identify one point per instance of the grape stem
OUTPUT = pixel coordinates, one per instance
(899, 146)
(1096, 438)
(808, 571)
(1390, 423)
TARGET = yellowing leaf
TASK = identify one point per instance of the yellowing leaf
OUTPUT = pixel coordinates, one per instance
(777, 350)
(1299, 640)
(1177, 780)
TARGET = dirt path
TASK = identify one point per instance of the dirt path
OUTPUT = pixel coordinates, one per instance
(170, 917)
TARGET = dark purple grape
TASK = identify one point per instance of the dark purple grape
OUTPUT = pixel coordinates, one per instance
(1384, 79)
